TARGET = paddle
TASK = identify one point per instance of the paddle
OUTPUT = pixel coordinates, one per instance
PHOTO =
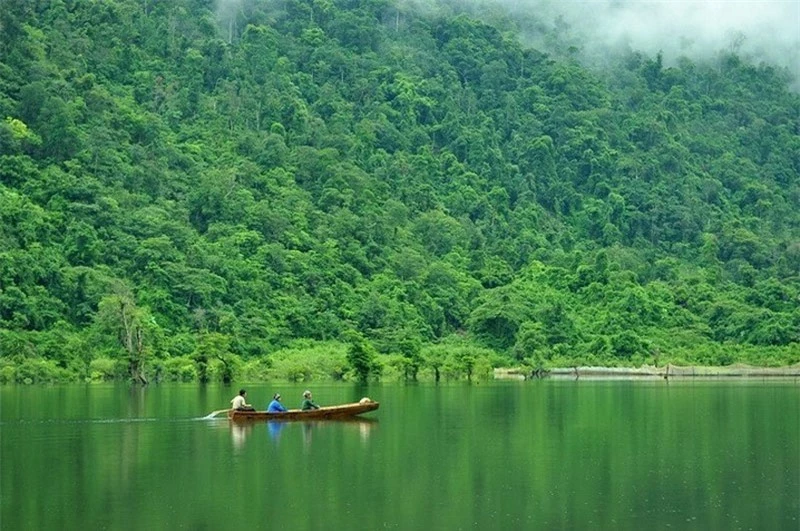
(214, 414)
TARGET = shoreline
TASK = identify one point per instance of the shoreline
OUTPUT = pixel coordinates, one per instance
(650, 372)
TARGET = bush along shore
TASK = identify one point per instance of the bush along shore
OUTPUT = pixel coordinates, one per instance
(359, 360)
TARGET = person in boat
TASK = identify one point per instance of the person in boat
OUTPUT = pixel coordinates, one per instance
(240, 402)
(275, 406)
(307, 402)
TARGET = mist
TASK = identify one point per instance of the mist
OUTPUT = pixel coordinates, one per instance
(765, 30)
(757, 30)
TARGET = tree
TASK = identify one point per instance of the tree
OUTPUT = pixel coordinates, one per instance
(118, 313)
(435, 357)
(361, 356)
(213, 345)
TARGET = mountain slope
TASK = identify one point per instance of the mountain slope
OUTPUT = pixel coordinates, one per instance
(185, 182)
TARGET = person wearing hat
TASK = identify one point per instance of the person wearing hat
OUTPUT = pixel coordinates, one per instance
(275, 406)
(307, 402)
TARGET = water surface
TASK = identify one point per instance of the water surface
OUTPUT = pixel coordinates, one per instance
(503, 455)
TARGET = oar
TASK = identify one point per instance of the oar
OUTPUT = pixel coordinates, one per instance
(214, 414)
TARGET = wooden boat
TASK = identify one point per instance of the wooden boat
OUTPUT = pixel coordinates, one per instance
(343, 411)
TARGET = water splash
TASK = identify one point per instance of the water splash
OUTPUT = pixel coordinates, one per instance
(213, 414)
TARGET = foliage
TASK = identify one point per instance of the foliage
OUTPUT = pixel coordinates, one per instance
(362, 357)
(347, 188)
(102, 369)
(309, 360)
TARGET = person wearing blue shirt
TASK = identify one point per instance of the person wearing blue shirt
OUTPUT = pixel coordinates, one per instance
(275, 406)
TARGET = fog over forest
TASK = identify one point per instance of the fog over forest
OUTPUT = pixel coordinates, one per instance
(758, 29)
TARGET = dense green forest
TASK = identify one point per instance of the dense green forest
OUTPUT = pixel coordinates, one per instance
(200, 190)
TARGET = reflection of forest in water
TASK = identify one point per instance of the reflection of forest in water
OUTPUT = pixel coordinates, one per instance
(241, 431)
(549, 454)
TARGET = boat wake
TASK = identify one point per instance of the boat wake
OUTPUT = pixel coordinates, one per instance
(213, 415)
(81, 421)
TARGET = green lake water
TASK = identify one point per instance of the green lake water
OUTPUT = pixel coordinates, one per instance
(546, 454)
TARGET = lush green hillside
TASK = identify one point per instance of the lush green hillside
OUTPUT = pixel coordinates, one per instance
(290, 188)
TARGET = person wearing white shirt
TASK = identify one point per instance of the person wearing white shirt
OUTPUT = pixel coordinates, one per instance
(239, 402)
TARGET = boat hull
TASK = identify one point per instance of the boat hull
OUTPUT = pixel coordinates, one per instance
(344, 411)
